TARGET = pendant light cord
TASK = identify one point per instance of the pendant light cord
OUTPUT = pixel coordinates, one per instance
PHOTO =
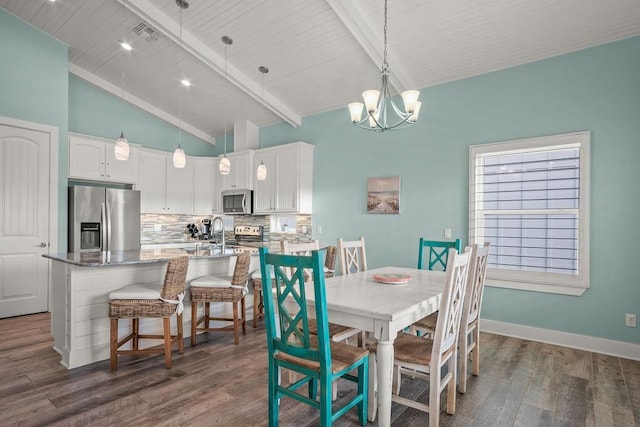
(226, 97)
(180, 89)
(123, 65)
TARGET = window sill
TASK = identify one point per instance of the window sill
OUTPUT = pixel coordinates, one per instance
(536, 287)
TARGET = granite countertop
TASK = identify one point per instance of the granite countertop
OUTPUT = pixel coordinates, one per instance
(106, 258)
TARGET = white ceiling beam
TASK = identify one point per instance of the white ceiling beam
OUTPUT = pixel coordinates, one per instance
(150, 13)
(371, 40)
(143, 105)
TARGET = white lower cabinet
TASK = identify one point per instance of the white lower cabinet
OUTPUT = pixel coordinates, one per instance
(289, 184)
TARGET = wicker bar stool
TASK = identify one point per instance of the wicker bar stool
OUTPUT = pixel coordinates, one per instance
(256, 278)
(213, 288)
(143, 300)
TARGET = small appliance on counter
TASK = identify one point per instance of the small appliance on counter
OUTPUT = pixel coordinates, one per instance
(202, 232)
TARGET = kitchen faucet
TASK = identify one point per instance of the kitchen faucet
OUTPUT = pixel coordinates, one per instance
(213, 227)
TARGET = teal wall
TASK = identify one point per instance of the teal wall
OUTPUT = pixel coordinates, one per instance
(597, 90)
(34, 87)
(92, 111)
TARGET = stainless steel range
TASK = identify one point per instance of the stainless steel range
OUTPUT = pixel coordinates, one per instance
(248, 237)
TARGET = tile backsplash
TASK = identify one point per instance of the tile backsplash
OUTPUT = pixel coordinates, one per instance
(161, 228)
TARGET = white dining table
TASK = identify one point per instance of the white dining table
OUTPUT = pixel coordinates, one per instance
(358, 301)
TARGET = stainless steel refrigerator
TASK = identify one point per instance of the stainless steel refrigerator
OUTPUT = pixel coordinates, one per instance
(103, 219)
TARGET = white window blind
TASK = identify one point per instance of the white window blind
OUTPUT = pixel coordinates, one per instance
(529, 199)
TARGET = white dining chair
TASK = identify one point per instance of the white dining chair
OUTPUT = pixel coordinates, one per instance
(425, 358)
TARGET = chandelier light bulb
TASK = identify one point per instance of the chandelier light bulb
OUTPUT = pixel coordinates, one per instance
(410, 98)
(370, 98)
(355, 109)
(414, 117)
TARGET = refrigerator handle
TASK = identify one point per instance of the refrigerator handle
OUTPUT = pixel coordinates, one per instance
(104, 227)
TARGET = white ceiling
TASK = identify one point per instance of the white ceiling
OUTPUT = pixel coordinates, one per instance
(321, 53)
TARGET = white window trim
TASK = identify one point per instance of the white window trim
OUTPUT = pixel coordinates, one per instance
(529, 280)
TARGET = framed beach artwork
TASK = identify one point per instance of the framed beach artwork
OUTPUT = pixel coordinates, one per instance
(383, 195)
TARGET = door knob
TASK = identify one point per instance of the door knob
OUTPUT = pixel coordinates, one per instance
(41, 245)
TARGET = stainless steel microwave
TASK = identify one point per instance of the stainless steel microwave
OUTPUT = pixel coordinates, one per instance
(237, 202)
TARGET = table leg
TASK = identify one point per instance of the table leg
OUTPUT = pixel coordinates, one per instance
(384, 362)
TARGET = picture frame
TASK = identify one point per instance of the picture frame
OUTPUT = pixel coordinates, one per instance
(383, 195)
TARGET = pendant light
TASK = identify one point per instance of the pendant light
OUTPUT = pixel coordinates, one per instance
(179, 158)
(261, 173)
(379, 105)
(225, 163)
(121, 148)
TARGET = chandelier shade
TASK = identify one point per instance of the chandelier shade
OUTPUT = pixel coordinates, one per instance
(382, 113)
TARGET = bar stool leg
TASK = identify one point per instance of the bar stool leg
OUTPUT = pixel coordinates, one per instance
(236, 337)
(114, 345)
(135, 329)
(167, 341)
(194, 321)
(244, 317)
(180, 334)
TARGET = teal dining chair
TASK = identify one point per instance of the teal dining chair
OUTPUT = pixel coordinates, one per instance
(438, 253)
(317, 358)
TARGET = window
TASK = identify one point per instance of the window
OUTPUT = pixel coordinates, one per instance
(283, 224)
(529, 198)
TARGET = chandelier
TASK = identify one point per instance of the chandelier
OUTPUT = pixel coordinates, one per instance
(382, 113)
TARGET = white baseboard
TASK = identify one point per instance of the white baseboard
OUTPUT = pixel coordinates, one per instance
(622, 349)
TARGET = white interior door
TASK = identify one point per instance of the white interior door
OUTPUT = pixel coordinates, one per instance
(24, 219)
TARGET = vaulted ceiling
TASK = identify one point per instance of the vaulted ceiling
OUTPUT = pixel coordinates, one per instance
(321, 53)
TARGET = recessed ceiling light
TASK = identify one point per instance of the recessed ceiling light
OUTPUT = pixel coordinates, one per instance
(126, 46)
(185, 82)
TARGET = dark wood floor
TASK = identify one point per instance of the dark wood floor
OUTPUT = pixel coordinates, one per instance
(522, 383)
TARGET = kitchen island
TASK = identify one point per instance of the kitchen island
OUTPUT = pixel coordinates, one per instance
(81, 283)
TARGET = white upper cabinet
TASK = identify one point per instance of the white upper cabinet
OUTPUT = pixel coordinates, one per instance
(289, 184)
(206, 175)
(94, 159)
(164, 188)
(241, 175)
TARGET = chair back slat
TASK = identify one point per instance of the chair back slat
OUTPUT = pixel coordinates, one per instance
(174, 279)
(291, 334)
(451, 304)
(477, 273)
(353, 258)
(299, 248)
(438, 253)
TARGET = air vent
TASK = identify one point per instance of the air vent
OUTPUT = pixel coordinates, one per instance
(146, 31)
